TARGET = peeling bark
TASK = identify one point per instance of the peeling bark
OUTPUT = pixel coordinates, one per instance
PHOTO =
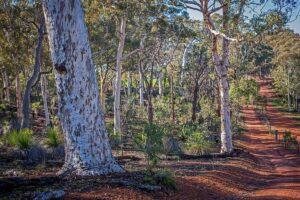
(87, 147)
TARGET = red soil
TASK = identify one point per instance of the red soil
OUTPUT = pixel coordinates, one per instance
(264, 171)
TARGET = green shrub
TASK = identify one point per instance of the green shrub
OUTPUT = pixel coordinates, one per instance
(115, 139)
(21, 139)
(2, 107)
(53, 137)
(151, 142)
(164, 178)
(198, 143)
(35, 106)
(288, 137)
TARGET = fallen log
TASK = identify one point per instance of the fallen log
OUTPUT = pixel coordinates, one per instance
(235, 153)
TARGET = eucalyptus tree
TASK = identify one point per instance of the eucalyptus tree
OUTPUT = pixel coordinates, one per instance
(223, 20)
(87, 148)
(286, 70)
(17, 36)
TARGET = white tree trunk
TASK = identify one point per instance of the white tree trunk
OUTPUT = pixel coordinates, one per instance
(87, 146)
(226, 138)
(160, 83)
(44, 85)
(141, 87)
(141, 78)
(117, 88)
(222, 71)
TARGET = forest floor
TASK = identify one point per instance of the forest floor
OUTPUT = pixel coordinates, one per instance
(262, 170)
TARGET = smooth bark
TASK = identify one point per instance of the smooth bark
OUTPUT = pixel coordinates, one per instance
(44, 85)
(87, 149)
(18, 98)
(25, 123)
(118, 78)
(141, 77)
(160, 84)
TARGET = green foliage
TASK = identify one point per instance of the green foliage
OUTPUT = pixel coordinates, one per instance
(35, 106)
(198, 142)
(244, 88)
(151, 141)
(163, 177)
(288, 137)
(115, 139)
(2, 107)
(53, 137)
(20, 139)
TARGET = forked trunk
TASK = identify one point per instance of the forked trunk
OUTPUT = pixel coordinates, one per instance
(87, 149)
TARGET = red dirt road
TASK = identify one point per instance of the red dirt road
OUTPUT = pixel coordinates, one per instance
(286, 184)
(264, 170)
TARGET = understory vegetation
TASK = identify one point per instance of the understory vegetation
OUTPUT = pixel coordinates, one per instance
(104, 82)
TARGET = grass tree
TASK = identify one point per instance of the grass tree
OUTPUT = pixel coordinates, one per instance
(87, 147)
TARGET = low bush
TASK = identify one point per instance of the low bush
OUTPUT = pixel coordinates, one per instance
(164, 178)
(151, 142)
(198, 143)
(20, 139)
(288, 137)
(53, 137)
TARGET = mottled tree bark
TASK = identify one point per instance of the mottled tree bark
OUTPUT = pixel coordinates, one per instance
(33, 79)
(87, 146)
(117, 88)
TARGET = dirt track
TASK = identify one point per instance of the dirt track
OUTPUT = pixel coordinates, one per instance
(286, 183)
(264, 171)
